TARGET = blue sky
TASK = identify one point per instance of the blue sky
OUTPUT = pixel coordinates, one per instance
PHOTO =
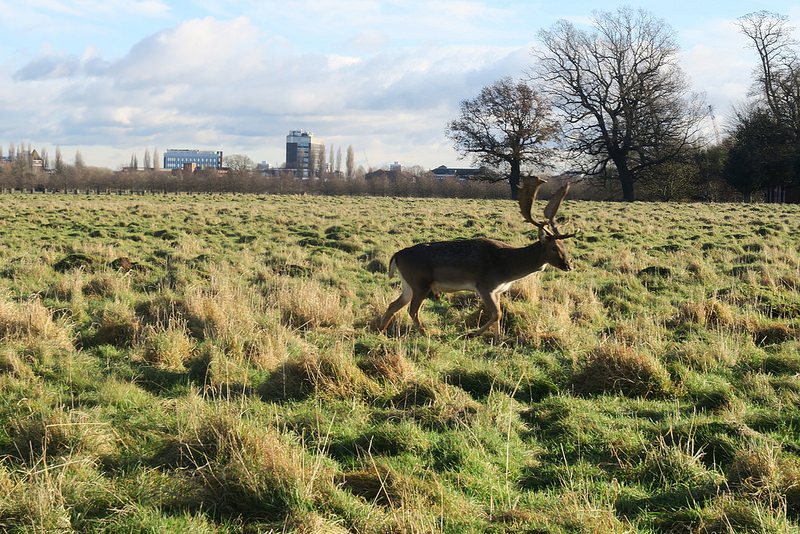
(114, 77)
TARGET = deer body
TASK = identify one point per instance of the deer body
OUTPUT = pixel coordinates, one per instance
(485, 266)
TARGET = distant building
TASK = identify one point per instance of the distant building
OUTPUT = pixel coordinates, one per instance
(36, 160)
(32, 157)
(303, 153)
(462, 174)
(202, 159)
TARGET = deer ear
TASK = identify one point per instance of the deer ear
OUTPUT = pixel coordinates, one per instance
(543, 234)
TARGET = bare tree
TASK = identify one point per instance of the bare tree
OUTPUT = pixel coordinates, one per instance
(239, 162)
(79, 160)
(507, 125)
(626, 103)
(338, 160)
(147, 164)
(777, 82)
(156, 160)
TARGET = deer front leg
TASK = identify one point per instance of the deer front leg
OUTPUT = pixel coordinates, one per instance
(492, 302)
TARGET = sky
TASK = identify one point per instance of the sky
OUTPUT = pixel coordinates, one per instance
(113, 78)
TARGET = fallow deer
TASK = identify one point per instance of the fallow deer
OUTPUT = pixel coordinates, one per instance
(485, 266)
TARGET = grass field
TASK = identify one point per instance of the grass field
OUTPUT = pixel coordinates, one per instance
(210, 364)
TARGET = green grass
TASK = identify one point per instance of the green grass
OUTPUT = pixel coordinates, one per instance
(210, 364)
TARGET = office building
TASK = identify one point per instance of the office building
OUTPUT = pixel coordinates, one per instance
(202, 159)
(303, 153)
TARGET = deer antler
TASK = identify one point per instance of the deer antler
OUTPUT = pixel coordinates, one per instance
(527, 196)
(555, 202)
(552, 208)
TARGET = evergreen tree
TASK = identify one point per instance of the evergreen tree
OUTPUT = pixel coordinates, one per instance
(351, 163)
(59, 166)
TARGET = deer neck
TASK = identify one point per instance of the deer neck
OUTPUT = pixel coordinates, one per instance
(526, 260)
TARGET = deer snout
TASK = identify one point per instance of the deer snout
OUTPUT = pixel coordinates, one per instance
(566, 266)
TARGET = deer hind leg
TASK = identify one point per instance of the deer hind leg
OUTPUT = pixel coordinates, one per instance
(397, 305)
(492, 302)
(419, 296)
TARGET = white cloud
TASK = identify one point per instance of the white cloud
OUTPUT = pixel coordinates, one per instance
(368, 40)
(204, 51)
(211, 81)
(150, 8)
(384, 76)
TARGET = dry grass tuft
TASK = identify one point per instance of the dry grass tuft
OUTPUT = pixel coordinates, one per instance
(639, 330)
(526, 289)
(773, 334)
(710, 312)
(164, 308)
(222, 308)
(620, 369)
(30, 503)
(106, 285)
(68, 287)
(307, 304)
(723, 514)
(435, 404)
(236, 468)
(69, 434)
(678, 461)
(416, 394)
(765, 472)
(313, 523)
(332, 372)
(755, 469)
(167, 348)
(386, 363)
(118, 326)
(30, 321)
(406, 496)
(11, 363)
(375, 485)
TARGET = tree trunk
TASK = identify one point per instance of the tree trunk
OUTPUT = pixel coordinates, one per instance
(626, 180)
(513, 179)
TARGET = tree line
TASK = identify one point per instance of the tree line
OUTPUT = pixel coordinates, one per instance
(93, 180)
(613, 105)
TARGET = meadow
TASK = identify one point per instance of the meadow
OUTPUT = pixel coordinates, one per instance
(210, 364)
